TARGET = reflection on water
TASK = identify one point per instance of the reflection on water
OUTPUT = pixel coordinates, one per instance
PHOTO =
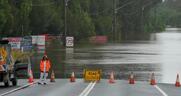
(160, 55)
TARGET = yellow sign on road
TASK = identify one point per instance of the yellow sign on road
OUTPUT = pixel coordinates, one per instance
(92, 75)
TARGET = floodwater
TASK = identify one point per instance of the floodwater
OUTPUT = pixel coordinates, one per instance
(161, 55)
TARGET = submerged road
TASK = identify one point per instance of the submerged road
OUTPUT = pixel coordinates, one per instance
(62, 87)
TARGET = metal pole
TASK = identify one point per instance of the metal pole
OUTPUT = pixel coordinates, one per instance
(114, 20)
(65, 21)
(65, 26)
(22, 30)
(142, 19)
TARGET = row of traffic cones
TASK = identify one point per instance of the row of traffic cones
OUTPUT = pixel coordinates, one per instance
(52, 77)
(111, 78)
(31, 79)
(132, 79)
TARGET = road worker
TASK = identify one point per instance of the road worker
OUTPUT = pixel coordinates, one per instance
(44, 69)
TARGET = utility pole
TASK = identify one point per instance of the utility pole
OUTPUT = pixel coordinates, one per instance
(65, 17)
(22, 30)
(65, 20)
(142, 19)
(114, 20)
(116, 35)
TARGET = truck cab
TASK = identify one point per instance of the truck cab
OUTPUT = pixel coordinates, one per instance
(7, 65)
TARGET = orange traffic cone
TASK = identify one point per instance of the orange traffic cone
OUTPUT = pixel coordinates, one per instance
(111, 78)
(177, 84)
(52, 78)
(131, 79)
(152, 81)
(30, 80)
(72, 78)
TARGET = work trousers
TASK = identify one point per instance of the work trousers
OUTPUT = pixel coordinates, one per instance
(43, 77)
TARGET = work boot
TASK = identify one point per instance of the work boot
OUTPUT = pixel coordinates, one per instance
(39, 83)
(44, 83)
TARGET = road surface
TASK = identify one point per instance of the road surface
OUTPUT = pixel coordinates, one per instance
(62, 87)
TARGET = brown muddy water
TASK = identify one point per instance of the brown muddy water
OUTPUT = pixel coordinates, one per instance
(161, 55)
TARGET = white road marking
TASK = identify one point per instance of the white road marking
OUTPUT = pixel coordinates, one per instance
(90, 89)
(161, 91)
(19, 88)
(87, 90)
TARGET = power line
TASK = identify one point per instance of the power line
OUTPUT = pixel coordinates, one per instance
(122, 6)
(116, 9)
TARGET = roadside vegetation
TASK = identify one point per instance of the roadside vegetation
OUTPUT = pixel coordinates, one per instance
(170, 13)
(85, 18)
(21, 56)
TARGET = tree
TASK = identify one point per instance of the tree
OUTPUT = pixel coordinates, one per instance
(42, 16)
(25, 8)
(5, 16)
(80, 24)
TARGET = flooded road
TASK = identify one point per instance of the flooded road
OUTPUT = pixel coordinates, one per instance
(170, 54)
(161, 55)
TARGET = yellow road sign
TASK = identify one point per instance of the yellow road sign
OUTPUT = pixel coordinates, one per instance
(92, 75)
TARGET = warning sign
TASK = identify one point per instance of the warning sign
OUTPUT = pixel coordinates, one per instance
(92, 75)
(69, 41)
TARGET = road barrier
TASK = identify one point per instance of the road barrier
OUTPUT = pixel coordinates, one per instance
(52, 78)
(92, 75)
(72, 77)
(30, 79)
(152, 81)
(131, 78)
(111, 78)
(177, 83)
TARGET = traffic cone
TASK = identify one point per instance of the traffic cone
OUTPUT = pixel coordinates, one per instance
(177, 84)
(52, 78)
(131, 79)
(152, 81)
(111, 78)
(72, 78)
(30, 80)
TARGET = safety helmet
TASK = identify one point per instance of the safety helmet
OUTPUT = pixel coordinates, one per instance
(45, 57)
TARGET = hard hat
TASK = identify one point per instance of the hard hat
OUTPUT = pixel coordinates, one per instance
(45, 56)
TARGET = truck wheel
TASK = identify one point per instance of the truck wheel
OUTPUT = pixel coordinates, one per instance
(6, 80)
(7, 83)
(14, 81)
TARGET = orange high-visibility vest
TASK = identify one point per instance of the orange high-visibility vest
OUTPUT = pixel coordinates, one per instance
(48, 65)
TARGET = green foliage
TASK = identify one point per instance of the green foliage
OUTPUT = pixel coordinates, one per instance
(85, 18)
(18, 55)
(170, 13)
(103, 25)
(42, 17)
(24, 12)
(5, 15)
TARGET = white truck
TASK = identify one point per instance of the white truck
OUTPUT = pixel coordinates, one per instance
(8, 67)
